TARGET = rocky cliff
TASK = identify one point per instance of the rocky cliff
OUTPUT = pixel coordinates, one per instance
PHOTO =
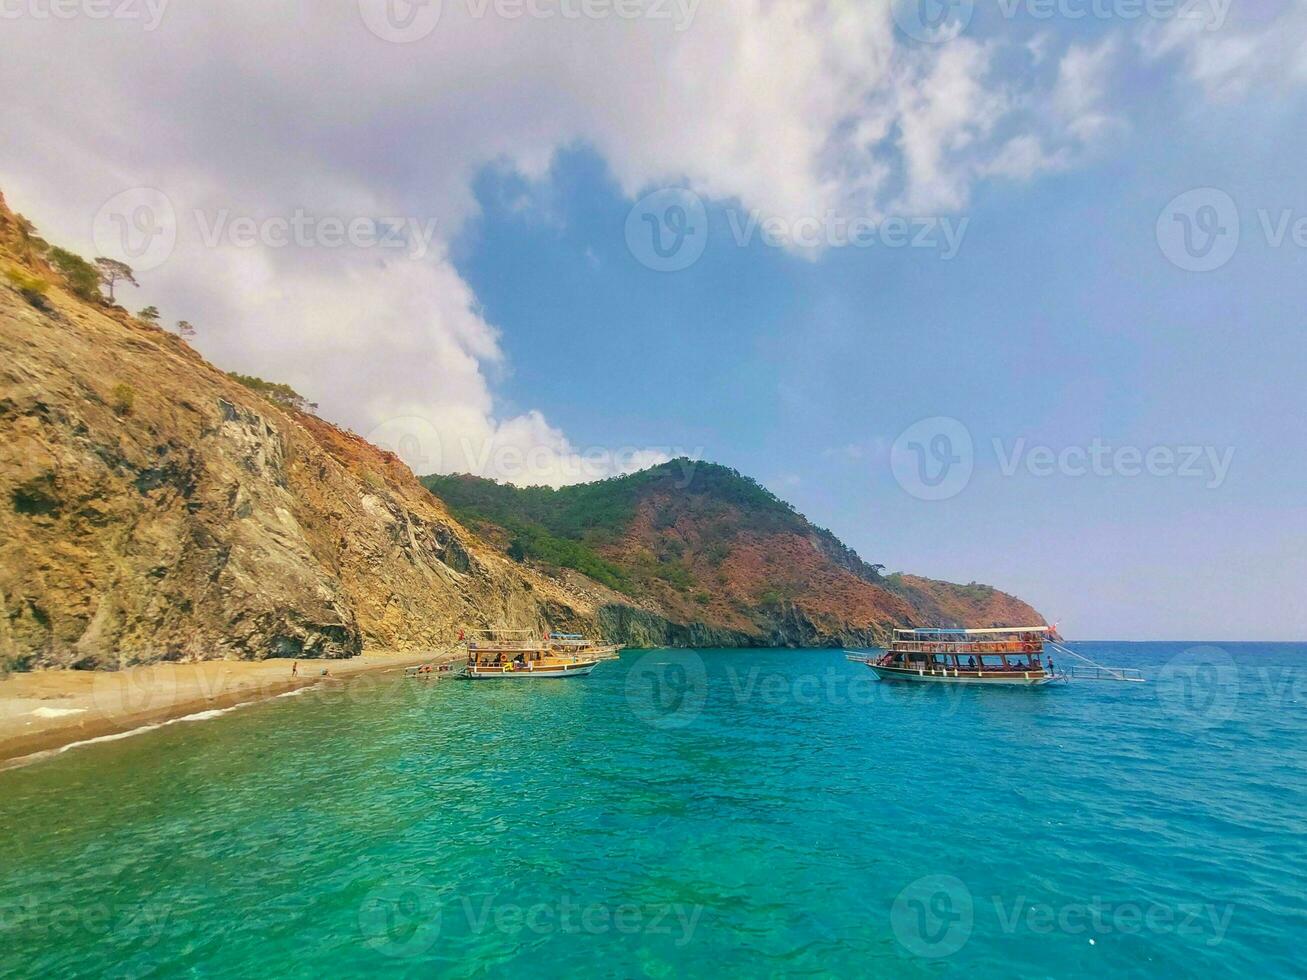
(153, 508)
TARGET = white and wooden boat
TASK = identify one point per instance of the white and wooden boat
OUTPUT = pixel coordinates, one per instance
(502, 654)
(1004, 656)
(939, 655)
(578, 645)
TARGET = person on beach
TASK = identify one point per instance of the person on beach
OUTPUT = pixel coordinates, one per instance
(295, 669)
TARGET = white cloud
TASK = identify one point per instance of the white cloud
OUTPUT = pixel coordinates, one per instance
(1022, 157)
(1256, 47)
(1080, 94)
(793, 108)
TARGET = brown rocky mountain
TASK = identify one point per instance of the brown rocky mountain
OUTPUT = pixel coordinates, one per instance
(694, 553)
(153, 507)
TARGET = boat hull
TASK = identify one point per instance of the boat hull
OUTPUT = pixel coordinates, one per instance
(1028, 678)
(529, 674)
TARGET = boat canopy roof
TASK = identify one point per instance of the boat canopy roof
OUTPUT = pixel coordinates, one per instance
(566, 636)
(953, 631)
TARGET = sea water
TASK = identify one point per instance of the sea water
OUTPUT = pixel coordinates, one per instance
(686, 813)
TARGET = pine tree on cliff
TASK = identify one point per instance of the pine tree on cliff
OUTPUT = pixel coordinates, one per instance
(112, 272)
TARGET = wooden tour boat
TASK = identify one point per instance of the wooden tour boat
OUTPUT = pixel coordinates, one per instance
(578, 645)
(503, 654)
(999, 656)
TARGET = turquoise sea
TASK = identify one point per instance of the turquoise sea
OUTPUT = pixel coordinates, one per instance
(686, 813)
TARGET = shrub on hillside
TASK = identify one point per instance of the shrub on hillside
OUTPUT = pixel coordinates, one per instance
(83, 279)
(122, 398)
(282, 394)
(32, 287)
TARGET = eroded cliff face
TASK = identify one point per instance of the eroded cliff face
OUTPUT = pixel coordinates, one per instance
(152, 508)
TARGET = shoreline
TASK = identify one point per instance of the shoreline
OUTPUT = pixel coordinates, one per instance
(47, 711)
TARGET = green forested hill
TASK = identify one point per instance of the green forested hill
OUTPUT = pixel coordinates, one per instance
(570, 526)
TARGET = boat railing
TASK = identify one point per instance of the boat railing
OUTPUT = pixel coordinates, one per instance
(1089, 670)
(975, 646)
(1084, 672)
(491, 646)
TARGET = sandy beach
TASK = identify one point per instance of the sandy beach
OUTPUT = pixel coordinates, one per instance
(48, 709)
